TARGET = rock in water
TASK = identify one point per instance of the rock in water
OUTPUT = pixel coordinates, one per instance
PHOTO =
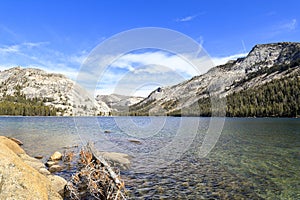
(56, 156)
(39, 157)
(55, 168)
(120, 160)
(51, 163)
(135, 141)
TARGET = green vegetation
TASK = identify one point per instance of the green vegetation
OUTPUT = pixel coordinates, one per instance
(278, 98)
(18, 104)
(140, 109)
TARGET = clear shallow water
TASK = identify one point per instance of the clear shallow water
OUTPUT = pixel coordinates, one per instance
(253, 158)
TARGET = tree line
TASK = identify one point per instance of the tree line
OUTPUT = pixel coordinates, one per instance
(18, 104)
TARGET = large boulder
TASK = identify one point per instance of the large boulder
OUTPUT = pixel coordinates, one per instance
(13, 146)
(19, 180)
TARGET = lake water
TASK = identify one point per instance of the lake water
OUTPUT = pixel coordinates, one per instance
(253, 158)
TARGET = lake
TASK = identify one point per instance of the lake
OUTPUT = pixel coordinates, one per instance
(253, 158)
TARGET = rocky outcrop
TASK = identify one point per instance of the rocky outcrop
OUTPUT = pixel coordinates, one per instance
(56, 90)
(237, 75)
(23, 177)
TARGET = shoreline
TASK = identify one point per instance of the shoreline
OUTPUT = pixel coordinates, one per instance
(25, 177)
(40, 180)
(267, 117)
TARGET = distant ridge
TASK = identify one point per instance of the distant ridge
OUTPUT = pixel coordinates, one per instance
(269, 70)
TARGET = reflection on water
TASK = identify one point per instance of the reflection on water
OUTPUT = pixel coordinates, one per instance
(253, 159)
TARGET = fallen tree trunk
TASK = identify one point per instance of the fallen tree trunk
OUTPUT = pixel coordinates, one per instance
(96, 179)
(112, 174)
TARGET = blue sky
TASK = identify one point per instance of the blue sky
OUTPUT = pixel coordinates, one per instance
(58, 35)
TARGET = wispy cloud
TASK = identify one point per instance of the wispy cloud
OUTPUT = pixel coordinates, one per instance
(9, 49)
(187, 18)
(8, 31)
(18, 48)
(141, 73)
(222, 60)
(137, 62)
(34, 44)
(290, 25)
(40, 55)
(284, 27)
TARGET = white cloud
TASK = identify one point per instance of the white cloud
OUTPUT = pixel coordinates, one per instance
(164, 63)
(34, 44)
(291, 25)
(222, 60)
(154, 68)
(187, 18)
(39, 55)
(10, 49)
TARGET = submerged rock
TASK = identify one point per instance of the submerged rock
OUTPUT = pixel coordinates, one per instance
(135, 141)
(120, 160)
(107, 131)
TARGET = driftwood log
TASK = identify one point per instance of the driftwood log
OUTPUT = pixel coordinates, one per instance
(96, 179)
(111, 172)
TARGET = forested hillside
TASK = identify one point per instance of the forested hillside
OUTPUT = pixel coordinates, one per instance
(18, 104)
(278, 98)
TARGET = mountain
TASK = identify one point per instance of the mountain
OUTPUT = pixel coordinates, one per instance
(118, 103)
(271, 68)
(28, 91)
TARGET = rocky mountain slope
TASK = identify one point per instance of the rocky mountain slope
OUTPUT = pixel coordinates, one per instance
(264, 63)
(55, 90)
(118, 103)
